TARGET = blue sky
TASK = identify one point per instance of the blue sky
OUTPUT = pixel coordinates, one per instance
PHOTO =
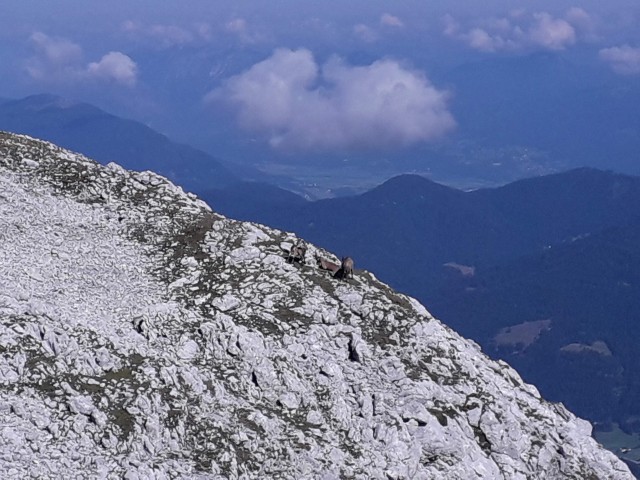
(299, 78)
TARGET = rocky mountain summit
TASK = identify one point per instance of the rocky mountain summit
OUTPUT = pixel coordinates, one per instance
(142, 335)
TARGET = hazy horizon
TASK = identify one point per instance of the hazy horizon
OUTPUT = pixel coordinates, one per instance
(379, 85)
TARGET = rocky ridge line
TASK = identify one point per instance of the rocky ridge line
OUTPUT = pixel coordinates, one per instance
(142, 335)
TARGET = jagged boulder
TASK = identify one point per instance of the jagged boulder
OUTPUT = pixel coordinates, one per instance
(142, 335)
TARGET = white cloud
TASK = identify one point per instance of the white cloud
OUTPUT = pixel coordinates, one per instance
(58, 60)
(166, 35)
(451, 26)
(551, 33)
(389, 20)
(204, 31)
(624, 60)
(243, 31)
(299, 104)
(116, 67)
(579, 18)
(171, 35)
(479, 39)
(522, 31)
(53, 56)
(237, 25)
(55, 50)
(365, 33)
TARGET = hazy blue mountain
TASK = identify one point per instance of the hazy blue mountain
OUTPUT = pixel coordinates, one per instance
(391, 221)
(588, 290)
(107, 138)
(545, 210)
(408, 227)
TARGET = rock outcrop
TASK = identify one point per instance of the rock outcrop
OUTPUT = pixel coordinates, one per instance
(142, 335)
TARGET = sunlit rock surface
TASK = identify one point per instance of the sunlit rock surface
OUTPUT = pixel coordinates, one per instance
(142, 335)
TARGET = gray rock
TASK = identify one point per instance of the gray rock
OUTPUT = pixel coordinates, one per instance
(162, 340)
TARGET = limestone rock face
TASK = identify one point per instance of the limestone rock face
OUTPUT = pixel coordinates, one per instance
(142, 335)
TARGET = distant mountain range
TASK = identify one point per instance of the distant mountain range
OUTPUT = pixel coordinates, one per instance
(412, 220)
(107, 138)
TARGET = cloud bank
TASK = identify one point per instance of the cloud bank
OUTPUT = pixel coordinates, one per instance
(521, 31)
(60, 60)
(624, 60)
(193, 34)
(56, 51)
(299, 104)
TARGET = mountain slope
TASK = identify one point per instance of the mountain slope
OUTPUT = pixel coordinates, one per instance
(547, 210)
(107, 138)
(142, 335)
(547, 265)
